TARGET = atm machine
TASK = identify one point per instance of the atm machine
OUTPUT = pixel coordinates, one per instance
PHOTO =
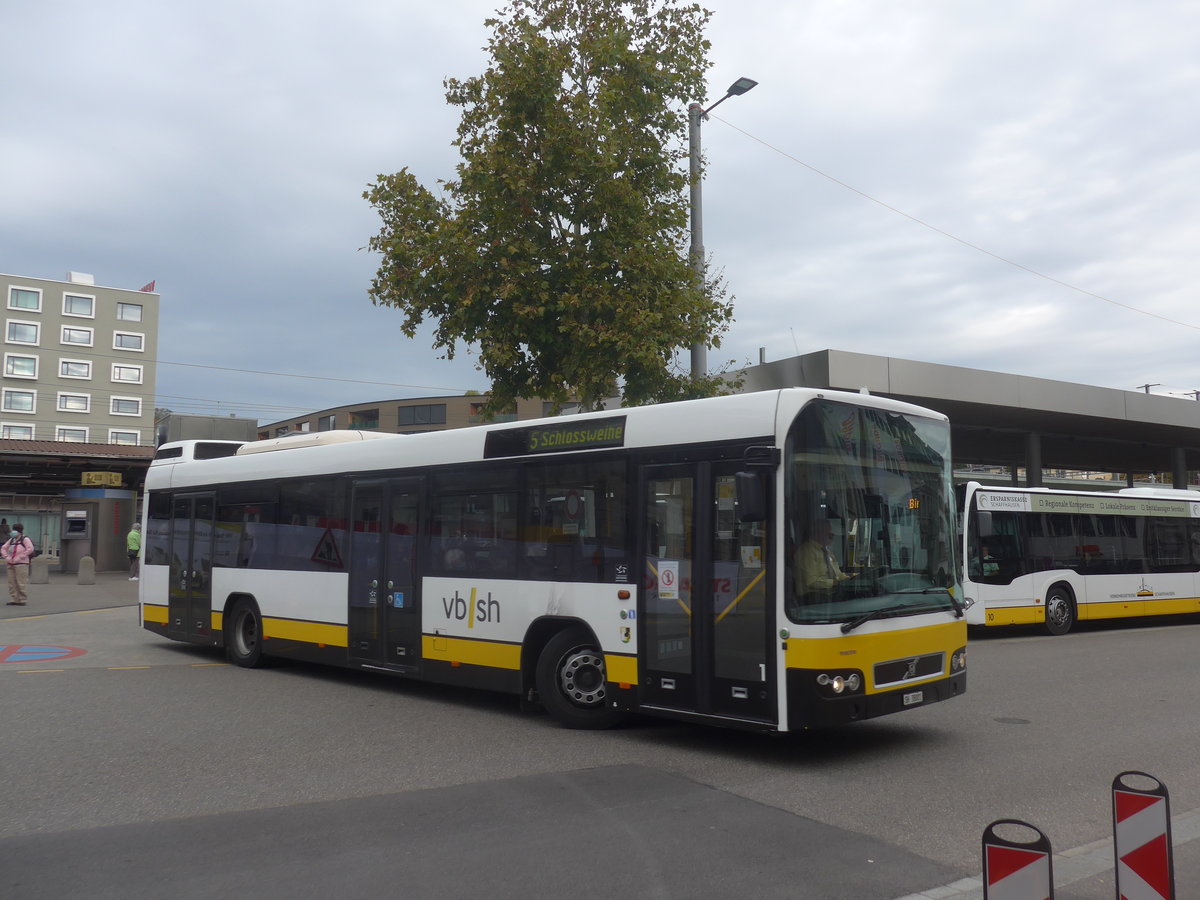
(95, 523)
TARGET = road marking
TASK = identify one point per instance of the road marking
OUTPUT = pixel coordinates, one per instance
(1070, 866)
(27, 653)
(220, 665)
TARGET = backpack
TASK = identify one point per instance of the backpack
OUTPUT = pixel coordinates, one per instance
(33, 552)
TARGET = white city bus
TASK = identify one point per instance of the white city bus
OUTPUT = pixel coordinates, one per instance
(638, 560)
(1053, 557)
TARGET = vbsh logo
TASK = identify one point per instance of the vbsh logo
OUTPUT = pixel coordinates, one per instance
(476, 609)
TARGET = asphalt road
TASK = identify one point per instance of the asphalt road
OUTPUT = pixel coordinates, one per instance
(141, 764)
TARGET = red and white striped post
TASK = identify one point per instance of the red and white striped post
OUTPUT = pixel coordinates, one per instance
(1142, 839)
(1016, 870)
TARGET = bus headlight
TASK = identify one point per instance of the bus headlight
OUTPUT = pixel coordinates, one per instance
(840, 683)
(958, 660)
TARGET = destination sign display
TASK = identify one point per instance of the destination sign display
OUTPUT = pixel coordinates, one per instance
(1100, 504)
(591, 434)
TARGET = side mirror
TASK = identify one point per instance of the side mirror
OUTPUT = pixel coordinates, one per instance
(751, 497)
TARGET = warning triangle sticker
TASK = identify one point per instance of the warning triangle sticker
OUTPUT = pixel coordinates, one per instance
(1003, 861)
(326, 552)
(1151, 862)
(1131, 804)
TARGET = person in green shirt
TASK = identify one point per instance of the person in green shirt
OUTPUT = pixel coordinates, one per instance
(133, 543)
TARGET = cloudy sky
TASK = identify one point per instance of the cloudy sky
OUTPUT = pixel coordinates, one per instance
(1009, 186)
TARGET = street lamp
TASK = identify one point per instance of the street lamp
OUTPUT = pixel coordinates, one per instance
(696, 113)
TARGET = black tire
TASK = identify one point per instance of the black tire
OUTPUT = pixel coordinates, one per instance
(1060, 610)
(244, 635)
(570, 681)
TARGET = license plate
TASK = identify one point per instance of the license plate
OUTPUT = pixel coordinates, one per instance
(914, 697)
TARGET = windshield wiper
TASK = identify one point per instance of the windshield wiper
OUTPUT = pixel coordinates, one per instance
(958, 608)
(848, 627)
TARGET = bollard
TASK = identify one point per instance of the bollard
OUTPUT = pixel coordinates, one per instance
(39, 570)
(1016, 870)
(1142, 839)
(87, 570)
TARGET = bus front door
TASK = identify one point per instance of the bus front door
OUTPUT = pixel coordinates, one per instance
(190, 592)
(706, 621)
(384, 605)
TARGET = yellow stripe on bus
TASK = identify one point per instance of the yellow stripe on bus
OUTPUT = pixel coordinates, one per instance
(308, 632)
(862, 651)
(1148, 606)
(622, 669)
(154, 613)
(473, 653)
(1016, 615)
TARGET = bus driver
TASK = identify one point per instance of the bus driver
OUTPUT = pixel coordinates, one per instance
(819, 570)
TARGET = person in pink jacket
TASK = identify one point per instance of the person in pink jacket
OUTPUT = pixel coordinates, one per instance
(17, 552)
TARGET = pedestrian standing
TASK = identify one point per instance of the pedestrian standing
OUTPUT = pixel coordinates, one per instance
(133, 544)
(17, 551)
(5, 531)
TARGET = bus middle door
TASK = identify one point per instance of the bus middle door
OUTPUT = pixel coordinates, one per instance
(384, 607)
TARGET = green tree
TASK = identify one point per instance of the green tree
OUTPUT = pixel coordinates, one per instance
(560, 249)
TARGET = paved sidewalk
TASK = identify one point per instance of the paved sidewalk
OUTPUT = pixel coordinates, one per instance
(64, 594)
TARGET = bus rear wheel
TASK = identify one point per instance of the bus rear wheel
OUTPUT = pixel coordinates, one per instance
(570, 681)
(244, 635)
(1060, 611)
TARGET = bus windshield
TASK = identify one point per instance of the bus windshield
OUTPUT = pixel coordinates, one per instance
(870, 516)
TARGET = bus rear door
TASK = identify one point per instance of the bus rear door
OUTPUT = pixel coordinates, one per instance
(191, 558)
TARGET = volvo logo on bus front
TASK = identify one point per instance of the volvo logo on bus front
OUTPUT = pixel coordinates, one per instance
(911, 671)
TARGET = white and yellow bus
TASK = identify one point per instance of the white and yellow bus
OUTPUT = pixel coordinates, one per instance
(1054, 557)
(631, 561)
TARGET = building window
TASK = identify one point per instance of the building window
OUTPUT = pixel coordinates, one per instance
(126, 406)
(477, 416)
(73, 435)
(79, 403)
(74, 368)
(302, 427)
(25, 298)
(427, 414)
(79, 305)
(16, 366)
(16, 432)
(124, 437)
(327, 423)
(80, 337)
(128, 340)
(129, 312)
(127, 374)
(18, 332)
(281, 431)
(364, 419)
(19, 401)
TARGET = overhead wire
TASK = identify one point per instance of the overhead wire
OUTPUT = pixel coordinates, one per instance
(950, 235)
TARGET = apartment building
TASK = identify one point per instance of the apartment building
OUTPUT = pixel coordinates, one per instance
(79, 361)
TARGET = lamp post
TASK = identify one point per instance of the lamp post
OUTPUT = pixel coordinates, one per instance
(696, 113)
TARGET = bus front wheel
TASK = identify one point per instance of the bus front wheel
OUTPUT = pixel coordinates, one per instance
(1060, 611)
(570, 681)
(244, 635)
